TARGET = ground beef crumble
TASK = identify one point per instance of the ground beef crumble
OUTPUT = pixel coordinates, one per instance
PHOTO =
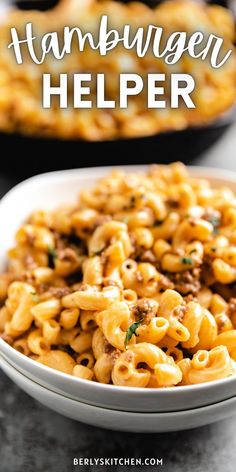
(165, 283)
(180, 311)
(112, 352)
(145, 308)
(67, 254)
(148, 256)
(232, 307)
(7, 338)
(187, 282)
(221, 322)
(129, 356)
(29, 262)
(59, 292)
(114, 355)
(190, 298)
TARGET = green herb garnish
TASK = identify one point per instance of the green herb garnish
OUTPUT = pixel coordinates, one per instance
(186, 260)
(215, 221)
(52, 255)
(126, 219)
(158, 223)
(35, 297)
(213, 249)
(52, 252)
(193, 251)
(132, 330)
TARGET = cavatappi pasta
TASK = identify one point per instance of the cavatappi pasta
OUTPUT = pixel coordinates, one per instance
(134, 285)
(21, 108)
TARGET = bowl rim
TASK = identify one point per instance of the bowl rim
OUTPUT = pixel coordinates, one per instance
(97, 172)
(158, 414)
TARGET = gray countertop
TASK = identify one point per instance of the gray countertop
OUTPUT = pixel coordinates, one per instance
(35, 439)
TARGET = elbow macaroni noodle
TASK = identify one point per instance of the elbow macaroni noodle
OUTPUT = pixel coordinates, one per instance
(134, 285)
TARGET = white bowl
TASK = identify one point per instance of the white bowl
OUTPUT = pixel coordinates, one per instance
(121, 420)
(49, 191)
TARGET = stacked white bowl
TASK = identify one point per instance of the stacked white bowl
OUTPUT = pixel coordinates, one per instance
(107, 406)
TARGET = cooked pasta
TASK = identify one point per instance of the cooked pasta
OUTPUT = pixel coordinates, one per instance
(21, 108)
(147, 298)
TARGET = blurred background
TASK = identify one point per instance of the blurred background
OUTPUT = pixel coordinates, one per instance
(32, 438)
(36, 140)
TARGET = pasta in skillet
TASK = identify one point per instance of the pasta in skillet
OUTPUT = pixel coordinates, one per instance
(134, 285)
(21, 108)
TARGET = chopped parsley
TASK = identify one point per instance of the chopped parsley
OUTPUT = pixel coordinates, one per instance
(215, 221)
(52, 255)
(132, 331)
(126, 219)
(213, 249)
(193, 251)
(52, 252)
(158, 223)
(35, 297)
(186, 260)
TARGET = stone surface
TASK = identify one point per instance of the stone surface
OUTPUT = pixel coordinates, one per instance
(35, 439)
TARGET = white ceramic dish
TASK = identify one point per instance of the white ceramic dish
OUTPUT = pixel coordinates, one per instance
(49, 191)
(121, 420)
